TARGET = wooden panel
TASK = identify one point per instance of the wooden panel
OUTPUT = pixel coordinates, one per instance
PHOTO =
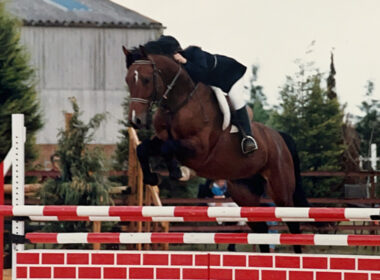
(54, 102)
(86, 63)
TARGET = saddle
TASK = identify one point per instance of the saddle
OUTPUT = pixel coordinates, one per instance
(225, 109)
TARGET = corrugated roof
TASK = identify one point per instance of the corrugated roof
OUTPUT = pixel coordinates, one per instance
(102, 13)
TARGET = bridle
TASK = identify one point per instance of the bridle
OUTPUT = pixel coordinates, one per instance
(153, 98)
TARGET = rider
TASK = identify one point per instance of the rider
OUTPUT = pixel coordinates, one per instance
(220, 71)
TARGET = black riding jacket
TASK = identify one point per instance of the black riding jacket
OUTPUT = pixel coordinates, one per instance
(214, 70)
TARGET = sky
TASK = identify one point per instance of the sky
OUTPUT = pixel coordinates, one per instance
(273, 34)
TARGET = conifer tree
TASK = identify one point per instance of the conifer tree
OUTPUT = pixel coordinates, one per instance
(17, 86)
(315, 121)
(258, 100)
(368, 125)
(331, 79)
(83, 179)
(122, 147)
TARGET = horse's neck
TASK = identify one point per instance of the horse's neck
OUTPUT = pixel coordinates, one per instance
(180, 94)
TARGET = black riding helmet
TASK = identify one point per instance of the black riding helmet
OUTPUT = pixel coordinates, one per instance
(166, 45)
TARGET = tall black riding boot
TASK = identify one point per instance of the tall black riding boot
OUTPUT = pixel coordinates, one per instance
(248, 143)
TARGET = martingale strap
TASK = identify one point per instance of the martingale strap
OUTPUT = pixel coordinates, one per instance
(184, 102)
(170, 87)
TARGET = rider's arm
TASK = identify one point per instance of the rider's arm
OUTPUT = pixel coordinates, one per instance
(197, 63)
(179, 58)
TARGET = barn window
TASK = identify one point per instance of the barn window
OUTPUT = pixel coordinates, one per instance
(68, 5)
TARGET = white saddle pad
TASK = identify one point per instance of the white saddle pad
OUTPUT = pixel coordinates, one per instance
(225, 109)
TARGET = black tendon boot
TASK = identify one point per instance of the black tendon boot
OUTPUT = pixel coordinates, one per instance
(168, 153)
(175, 172)
(248, 143)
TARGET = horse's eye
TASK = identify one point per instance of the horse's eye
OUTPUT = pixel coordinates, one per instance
(145, 81)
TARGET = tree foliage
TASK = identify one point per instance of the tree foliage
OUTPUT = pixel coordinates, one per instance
(83, 179)
(17, 86)
(368, 126)
(315, 121)
(122, 147)
(258, 100)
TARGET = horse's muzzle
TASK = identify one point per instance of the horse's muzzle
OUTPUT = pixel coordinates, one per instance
(134, 125)
(137, 123)
(140, 120)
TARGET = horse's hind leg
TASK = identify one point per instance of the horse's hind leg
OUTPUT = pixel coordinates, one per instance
(283, 197)
(248, 193)
(294, 227)
(260, 227)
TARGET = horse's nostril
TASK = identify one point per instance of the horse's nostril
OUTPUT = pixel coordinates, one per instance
(138, 121)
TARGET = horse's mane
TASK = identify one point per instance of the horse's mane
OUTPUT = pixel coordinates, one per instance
(152, 47)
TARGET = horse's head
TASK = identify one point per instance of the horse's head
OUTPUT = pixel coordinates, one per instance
(141, 86)
(150, 79)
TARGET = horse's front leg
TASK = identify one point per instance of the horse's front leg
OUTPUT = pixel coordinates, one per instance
(156, 147)
(168, 152)
(149, 148)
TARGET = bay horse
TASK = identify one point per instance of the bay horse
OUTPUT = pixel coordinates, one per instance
(188, 120)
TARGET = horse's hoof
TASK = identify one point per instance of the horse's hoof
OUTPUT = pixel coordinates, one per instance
(322, 227)
(151, 179)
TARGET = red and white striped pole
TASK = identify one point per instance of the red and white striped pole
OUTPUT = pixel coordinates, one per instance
(198, 213)
(206, 238)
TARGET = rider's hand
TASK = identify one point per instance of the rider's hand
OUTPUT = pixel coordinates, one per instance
(179, 58)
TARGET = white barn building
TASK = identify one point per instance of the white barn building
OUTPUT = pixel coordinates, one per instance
(75, 46)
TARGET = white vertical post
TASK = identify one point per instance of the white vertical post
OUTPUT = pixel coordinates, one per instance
(374, 159)
(18, 177)
(373, 156)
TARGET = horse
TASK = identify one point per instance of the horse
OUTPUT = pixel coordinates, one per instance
(189, 121)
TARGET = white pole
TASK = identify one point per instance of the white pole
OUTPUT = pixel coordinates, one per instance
(18, 177)
(361, 159)
(374, 159)
(373, 156)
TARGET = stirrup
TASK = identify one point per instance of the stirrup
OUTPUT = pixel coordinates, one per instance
(248, 145)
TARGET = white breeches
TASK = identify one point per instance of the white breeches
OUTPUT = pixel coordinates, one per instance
(237, 93)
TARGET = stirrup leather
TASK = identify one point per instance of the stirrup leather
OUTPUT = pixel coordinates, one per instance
(253, 144)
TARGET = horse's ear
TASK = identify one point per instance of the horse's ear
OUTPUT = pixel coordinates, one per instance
(125, 51)
(143, 51)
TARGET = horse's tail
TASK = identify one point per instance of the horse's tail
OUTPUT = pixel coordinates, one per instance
(299, 197)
